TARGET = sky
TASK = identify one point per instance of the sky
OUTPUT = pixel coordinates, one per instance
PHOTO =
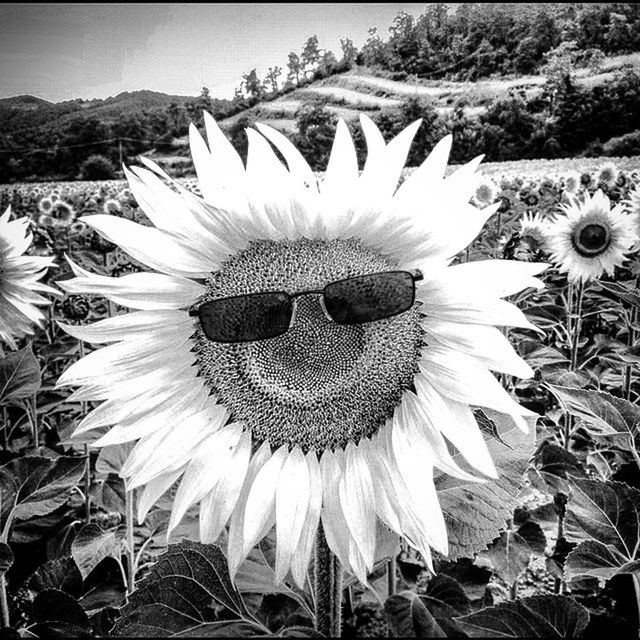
(65, 51)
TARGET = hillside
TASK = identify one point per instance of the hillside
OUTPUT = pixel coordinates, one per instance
(28, 114)
(360, 90)
(41, 138)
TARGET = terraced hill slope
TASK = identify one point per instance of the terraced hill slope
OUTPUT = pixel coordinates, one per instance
(360, 91)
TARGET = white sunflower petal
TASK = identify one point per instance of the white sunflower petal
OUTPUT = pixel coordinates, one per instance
(208, 465)
(261, 499)
(134, 325)
(334, 523)
(148, 291)
(302, 556)
(235, 546)
(457, 423)
(219, 504)
(292, 506)
(155, 248)
(463, 379)
(153, 491)
(486, 343)
(356, 497)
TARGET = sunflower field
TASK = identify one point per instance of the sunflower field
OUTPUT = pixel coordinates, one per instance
(542, 510)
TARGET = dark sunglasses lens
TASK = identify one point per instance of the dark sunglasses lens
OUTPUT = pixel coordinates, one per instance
(255, 316)
(369, 298)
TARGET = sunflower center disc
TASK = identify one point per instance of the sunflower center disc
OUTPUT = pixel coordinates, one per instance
(320, 384)
(592, 239)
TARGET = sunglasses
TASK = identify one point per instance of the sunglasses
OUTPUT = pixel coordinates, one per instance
(357, 300)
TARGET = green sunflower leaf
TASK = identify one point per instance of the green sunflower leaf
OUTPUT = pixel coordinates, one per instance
(188, 592)
(19, 375)
(605, 516)
(408, 617)
(602, 413)
(534, 617)
(92, 545)
(57, 614)
(34, 486)
(620, 292)
(511, 553)
(474, 512)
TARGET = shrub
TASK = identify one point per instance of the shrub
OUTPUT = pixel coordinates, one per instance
(97, 167)
(165, 143)
(625, 145)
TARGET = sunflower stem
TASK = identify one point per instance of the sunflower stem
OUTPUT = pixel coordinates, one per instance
(130, 549)
(87, 468)
(34, 424)
(391, 576)
(574, 322)
(636, 590)
(107, 265)
(631, 339)
(5, 428)
(577, 315)
(4, 603)
(328, 582)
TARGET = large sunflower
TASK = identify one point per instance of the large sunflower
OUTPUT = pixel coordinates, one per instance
(341, 423)
(19, 275)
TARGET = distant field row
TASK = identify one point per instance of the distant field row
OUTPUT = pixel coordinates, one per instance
(512, 168)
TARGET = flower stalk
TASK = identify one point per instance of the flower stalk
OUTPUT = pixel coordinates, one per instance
(328, 583)
(5, 428)
(391, 576)
(130, 548)
(4, 604)
(574, 325)
(34, 421)
(631, 339)
(87, 468)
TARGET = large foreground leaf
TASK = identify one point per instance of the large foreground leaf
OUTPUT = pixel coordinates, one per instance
(57, 614)
(187, 592)
(534, 617)
(33, 486)
(476, 512)
(608, 514)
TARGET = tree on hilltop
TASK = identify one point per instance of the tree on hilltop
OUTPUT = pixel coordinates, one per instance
(349, 52)
(295, 68)
(196, 107)
(252, 85)
(271, 79)
(310, 55)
